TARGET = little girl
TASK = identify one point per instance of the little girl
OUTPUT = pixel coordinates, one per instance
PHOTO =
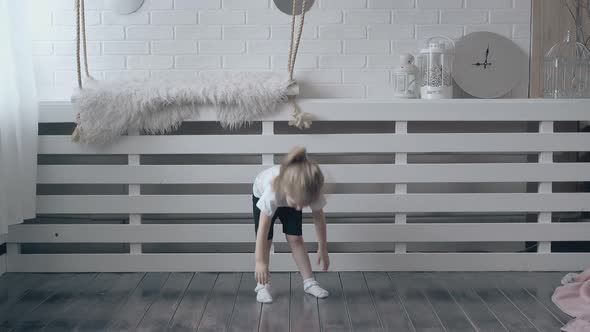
(281, 192)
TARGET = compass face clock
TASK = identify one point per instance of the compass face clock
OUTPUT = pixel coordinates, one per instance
(488, 65)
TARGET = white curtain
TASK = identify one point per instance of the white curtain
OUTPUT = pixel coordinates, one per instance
(18, 116)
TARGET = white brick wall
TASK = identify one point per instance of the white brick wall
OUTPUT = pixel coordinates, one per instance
(173, 17)
(125, 47)
(348, 49)
(173, 47)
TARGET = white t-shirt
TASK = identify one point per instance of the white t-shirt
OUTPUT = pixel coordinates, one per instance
(269, 201)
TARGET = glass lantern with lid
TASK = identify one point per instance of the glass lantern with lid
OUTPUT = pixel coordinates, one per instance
(436, 66)
(405, 78)
(567, 70)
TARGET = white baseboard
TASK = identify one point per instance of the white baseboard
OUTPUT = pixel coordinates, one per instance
(3, 239)
(2, 264)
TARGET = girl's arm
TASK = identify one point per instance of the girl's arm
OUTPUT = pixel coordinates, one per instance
(319, 221)
(262, 252)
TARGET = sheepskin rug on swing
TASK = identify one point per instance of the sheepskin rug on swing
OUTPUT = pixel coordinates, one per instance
(108, 109)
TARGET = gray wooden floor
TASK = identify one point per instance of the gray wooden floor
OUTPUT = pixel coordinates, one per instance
(226, 301)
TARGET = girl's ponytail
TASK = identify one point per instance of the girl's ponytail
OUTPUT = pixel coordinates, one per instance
(297, 155)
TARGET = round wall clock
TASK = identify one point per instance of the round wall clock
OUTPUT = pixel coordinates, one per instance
(488, 65)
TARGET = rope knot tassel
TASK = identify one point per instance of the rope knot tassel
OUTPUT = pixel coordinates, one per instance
(301, 120)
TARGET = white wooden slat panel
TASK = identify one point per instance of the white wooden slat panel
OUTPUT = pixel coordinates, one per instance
(283, 262)
(134, 189)
(152, 174)
(396, 110)
(329, 143)
(353, 203)
(401, 128)
(379, 173)
(268, 129)
(545, 186)
(243, 233)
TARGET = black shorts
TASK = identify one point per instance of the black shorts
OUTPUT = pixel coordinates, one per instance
(292, 219)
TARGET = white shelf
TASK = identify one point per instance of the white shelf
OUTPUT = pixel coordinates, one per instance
(399, 110)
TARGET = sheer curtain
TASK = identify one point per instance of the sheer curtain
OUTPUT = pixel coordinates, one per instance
(18, 116)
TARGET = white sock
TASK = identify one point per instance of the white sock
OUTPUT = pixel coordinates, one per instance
(311, 286)
(263, 293)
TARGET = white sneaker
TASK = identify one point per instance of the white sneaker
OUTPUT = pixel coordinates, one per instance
(311, 286)
(263, 293)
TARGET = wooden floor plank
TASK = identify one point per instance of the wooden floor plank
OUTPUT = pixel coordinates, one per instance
(275, 316)
(332, 310)
(220, 307)
(541, 286)
(387, 302)
(452, 316)
(33, 298)
(536, 312)
(108, 302)
(84, 305)
(507, 313)
(542, 289)
(477, 311)
(191, 308)
(420, 311)
(359, 301)
(304, 314)
(13, 286)
(363, 315)
(130, 313)
(162, 309)
(246, 316)
(65, 295)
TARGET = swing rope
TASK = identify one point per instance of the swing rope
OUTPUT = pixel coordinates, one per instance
(293, 52)
(300, 119)
(81, 39)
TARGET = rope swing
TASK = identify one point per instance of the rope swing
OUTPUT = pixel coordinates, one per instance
(300, 119)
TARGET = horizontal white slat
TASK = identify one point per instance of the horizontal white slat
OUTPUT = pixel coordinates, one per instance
(244, 233)
(329, 143)
(361, 203)
(397, 110)
(377, 173)
(283, 262)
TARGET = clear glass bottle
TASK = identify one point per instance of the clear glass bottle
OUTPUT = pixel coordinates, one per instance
(567, 70)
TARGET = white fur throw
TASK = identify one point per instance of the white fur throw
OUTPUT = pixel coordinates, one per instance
(108, 109)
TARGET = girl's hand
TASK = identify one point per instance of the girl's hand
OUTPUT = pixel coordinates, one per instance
(261, 273)
(323, 259)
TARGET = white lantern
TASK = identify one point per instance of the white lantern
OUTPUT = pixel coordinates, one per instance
(405, 77)
(436, 66)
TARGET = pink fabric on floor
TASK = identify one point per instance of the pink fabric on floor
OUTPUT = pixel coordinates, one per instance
(574, 299)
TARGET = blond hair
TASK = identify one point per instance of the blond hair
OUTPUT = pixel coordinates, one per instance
(299, 178)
